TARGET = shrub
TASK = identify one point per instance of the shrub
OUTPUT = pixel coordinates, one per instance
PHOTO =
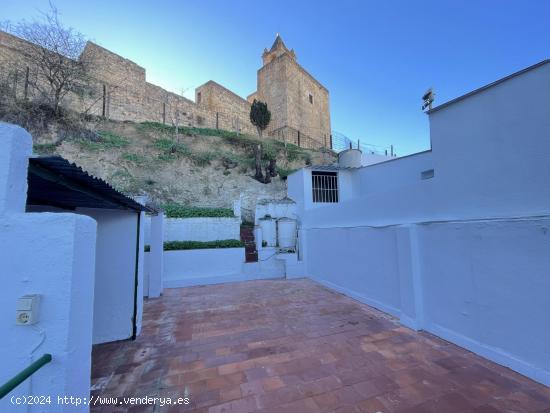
(44, 148)
(197, 245)
(182, 211)
(202, 158)
(111, 140)
(170, 148)
(283, 173)
(133, 157)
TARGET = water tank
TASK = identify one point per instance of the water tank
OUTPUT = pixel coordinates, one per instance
(286, 233)
(350, 158)
(269, 230)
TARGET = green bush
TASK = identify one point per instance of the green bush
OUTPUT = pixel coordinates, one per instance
(111, 140)
(283, 173)
(133, 157)
(197, 245)
(202, 158)
(170, 148)
(44, 148)
(182, 211)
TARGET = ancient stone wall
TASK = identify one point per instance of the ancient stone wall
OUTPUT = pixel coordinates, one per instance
(299, 104)
(232, 111)
(118, 90)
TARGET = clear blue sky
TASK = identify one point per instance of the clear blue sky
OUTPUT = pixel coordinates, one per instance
(375, 57)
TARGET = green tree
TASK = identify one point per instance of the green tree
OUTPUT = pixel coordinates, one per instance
(260, 116)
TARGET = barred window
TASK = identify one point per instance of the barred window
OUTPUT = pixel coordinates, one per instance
(324, 186)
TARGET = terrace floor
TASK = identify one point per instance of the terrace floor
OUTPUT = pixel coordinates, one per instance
(295, 346)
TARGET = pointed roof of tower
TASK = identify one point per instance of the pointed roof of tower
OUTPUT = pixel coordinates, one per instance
(278, 44)
(277, 49)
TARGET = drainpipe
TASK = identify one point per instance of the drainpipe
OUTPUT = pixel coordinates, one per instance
(136, 278)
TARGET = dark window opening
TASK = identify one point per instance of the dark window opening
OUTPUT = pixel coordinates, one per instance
(311, 99)
(199, 97)
(324, 186)
(427, 174)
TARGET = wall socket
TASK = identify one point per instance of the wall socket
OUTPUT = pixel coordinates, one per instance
(27, 309)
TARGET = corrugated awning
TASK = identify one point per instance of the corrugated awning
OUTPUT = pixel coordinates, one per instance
(54, 181)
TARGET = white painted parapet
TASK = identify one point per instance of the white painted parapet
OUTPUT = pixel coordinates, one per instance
(51, 254)
(202, 266)
(197, 229)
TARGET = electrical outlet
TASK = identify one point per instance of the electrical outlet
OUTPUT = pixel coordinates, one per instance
(27, 309)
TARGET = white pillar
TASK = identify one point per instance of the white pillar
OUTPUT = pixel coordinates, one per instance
(156, 256)
(16, 148)
(53, 255)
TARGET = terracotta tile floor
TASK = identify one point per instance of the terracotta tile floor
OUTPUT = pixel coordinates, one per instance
(294, 346)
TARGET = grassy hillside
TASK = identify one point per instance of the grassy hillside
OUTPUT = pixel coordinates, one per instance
(202, 167)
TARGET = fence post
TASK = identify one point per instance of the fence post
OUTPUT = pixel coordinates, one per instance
(104, 107)
(163, 113)
(217, 120)
(26, 92)
(299, 139)
(15, 78)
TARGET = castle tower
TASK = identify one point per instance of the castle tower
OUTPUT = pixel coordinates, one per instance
(299, 103)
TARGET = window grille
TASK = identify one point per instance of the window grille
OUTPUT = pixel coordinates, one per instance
(325, 186)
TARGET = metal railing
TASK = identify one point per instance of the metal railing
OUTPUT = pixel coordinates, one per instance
(24, 375)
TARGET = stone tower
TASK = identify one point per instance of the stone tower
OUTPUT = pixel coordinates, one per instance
(299, 104)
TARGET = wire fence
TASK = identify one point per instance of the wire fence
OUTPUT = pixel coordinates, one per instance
(122, 99)
(341, 142)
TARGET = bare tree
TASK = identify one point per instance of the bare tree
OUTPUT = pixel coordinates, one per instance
(54, 52)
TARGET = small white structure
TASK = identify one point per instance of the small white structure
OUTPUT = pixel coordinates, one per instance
(454, 240)
(52, 255)
(350, 158)
(56, 185)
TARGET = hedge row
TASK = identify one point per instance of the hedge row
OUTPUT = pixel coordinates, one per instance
(181, 211)
(199, 245)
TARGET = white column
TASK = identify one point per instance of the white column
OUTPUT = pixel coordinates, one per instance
(156, 256)
(16, 148)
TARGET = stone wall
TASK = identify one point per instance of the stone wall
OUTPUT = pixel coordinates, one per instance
(299, 103)
(118, 90)
(233, 112)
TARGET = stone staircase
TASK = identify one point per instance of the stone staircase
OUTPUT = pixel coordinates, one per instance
(247, 237)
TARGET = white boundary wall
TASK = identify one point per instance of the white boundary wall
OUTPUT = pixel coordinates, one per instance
(483, 285)
(52, 254)
(197, 229)
(202, 266)
(465, 254)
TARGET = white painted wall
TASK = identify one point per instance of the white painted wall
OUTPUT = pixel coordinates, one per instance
(368, 158)
(482, 285)
(115, 274)
(492, 148)
(203, 266)
(52, 255)
(300, 189)
(283, 208)
(465, 254)
(197, 229)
